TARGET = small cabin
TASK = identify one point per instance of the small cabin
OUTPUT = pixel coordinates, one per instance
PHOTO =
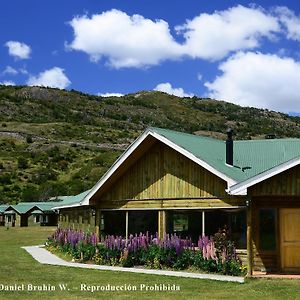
(30, 214)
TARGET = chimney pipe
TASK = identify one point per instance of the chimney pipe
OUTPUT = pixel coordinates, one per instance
(229, 147)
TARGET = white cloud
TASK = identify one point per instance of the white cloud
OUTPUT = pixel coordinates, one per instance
(199, 76)
(7, 82)
(54, 77)
(167, 88)
(10, 71)
(258, 80)
(290, 21)
(213, 36)
(18, 50)
(110, 95)
(23, 71)
(134, 41)
(126, 41)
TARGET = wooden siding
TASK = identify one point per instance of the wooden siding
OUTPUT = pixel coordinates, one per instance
(77, 218)
(280, 191)
(284, 184)
(269, 260)
(163, 178)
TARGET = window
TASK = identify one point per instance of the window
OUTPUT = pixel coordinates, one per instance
(185, 224)
(189, 224)
(37, 218)
(267, 229)
(114, 222)
(233, 220)
(180, 222)
(142, 221)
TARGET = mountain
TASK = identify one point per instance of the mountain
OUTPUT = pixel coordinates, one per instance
(58, 142)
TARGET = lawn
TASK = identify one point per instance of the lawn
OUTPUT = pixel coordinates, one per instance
(18, 267)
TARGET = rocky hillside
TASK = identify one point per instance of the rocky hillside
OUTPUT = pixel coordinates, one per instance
(60, 142)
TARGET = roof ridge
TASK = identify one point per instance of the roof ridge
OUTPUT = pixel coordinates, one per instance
(186, 133)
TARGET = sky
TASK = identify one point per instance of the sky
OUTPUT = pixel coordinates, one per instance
(242, 52)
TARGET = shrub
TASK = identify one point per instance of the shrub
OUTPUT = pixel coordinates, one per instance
(29, 139)
(5, 178)
(144, 249)
(22, 163)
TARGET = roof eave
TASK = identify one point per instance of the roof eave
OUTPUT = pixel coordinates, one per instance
(68, 206)
(241, 187)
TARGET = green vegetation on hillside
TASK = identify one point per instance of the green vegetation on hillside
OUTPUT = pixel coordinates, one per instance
(56, 142)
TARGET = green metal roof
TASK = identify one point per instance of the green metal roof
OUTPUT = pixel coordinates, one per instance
(251, 157)
(44, 207)
(68, 200)
(3, 208)
(24, 207)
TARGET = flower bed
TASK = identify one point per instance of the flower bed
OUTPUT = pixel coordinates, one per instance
(216, 254)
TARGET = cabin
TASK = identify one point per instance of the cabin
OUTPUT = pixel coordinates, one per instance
(2, 216)
(30, 214)
(173, 182)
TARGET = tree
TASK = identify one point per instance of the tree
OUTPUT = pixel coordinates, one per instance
(22, 163)
(30, 194)
(29, 139)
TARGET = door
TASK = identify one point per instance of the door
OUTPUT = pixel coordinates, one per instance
(290, 239)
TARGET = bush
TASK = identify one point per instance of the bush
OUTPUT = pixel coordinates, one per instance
(44, 174)
(169, 252)
(5, 178)
(185, 259)
(22, 163)
(29, 139)
(30, 194)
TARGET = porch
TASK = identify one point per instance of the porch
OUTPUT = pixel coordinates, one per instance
(182, 222)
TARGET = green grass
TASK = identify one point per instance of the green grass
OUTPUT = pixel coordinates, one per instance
(18, 267)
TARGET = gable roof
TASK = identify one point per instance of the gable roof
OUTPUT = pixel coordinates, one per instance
(252, 158)
(25, 207)
(3, 208)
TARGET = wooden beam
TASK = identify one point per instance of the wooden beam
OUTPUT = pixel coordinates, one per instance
(161, 223)
(249, 237)
(203, 223)
(97, 222)
(126, 226)
(172, 204)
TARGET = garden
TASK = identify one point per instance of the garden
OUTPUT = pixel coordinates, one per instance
(214, 254)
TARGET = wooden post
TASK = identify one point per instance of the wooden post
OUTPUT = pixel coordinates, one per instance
(203, 223)
(161, 223)
(249, 237)
(97, 222)
(126, 225)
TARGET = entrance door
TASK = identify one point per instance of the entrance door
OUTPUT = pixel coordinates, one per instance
(290, 239)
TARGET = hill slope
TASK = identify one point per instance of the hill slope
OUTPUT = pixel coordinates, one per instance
(60, 142)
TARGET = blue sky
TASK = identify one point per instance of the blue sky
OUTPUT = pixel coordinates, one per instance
(239, 52)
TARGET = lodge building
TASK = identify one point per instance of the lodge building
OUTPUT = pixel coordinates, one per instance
(173, 182)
